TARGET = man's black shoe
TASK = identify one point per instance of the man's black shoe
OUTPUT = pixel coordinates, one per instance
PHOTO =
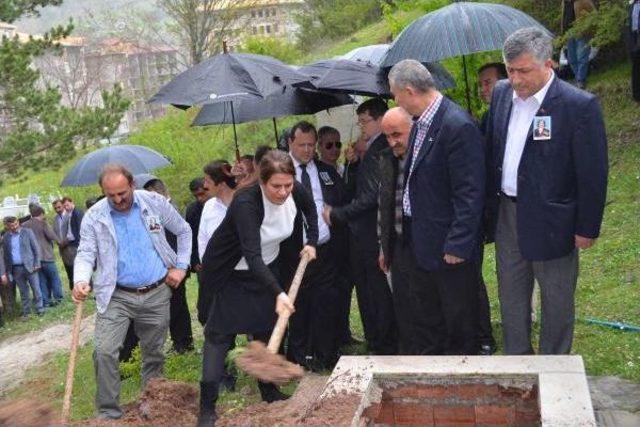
(486, 350)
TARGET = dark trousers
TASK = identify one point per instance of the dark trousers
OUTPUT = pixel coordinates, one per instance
(313, 327)
(446, 310)
(635, 74)
(69, 269)
(485, 333)
(374, 299)
(402, 266)
(180, 319)
(344, 286)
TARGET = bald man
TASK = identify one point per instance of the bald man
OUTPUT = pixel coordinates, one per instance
(395, 255)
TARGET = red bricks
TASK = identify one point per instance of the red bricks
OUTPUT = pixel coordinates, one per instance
(455, 415)
(412, 414)
(489, 414)
(473, 403)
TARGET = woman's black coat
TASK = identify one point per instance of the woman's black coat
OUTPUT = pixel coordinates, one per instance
(239, 235)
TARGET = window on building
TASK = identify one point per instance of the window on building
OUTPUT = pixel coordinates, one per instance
(268, 27)
(253, 13)
(260, 13)
(254, 30)
(275, 28)
(261, 29)
(273, 12)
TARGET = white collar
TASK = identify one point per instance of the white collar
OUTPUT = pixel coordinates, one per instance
(296, 163)
(539, 96)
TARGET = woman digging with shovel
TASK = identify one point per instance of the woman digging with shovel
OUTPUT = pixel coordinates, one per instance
(240, 270)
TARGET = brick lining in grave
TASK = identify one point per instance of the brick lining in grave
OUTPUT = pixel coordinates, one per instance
(550, 391)
(455, 401)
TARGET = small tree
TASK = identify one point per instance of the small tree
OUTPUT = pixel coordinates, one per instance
(36, 131)
(202, 25)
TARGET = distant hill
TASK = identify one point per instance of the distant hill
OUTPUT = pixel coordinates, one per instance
(56, 15)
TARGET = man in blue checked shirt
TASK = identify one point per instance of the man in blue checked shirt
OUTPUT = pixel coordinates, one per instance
(123, 237)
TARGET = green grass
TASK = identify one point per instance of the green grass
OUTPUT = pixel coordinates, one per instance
(609, 280)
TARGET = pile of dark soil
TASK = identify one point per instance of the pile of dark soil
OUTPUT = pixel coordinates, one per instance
(163, 403)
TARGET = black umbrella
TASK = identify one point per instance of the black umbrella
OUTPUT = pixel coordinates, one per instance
(228, 77)
(458, 29)
(136, 158)
(290, 101)
(361, 78)
(343, 75)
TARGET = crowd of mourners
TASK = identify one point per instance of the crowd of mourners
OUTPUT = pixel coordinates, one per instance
(401, 217)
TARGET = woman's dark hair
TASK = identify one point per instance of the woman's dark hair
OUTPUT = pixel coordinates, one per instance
(276, 161)
(260, 152)
(220, 171)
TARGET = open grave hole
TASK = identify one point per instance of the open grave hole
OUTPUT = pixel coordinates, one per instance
(453, 400)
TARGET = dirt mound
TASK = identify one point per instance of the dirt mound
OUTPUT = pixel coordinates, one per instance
(26, 413)
(303, 408)
(163, 403)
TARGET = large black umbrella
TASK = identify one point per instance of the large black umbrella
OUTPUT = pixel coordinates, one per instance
(136, 158)
(360, 78)
(290, 101)
(458, 29)
(228, 77)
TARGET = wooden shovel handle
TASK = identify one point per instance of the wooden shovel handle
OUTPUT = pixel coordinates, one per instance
(68, 387)
(281, 323)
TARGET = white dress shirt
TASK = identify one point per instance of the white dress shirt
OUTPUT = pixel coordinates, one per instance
(277, 225)
(323, 229)
(213, 213)
(520, 123)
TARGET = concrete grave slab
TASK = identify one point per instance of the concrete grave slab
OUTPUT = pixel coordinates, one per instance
(465, 390)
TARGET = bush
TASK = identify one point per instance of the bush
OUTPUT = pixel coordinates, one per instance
(328, 20)
(277, 48)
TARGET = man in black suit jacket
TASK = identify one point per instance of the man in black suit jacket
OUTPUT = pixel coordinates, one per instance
(396, 254)
(313, 337)
(545, 197)
(443, 202)
(372, 289)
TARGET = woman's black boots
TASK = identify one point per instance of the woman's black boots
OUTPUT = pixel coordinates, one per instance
(208, 397)
(270, 393)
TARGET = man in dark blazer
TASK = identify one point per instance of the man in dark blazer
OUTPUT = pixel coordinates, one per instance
(374, 295)
(545, 196)
(396, 254)
(443, 202)
(313, 337)
(71, 238)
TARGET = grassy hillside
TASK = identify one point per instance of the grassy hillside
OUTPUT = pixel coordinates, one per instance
(610, 272)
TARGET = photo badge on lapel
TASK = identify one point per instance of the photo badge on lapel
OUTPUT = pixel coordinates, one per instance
(542, 128)
(153, 223)
(326, 179)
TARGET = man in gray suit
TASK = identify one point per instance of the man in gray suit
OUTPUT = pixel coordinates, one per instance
(22, 260)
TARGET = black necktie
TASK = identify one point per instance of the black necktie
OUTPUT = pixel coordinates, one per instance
(306, 180)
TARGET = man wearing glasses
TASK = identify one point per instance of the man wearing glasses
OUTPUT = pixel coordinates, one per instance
(329, 146)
